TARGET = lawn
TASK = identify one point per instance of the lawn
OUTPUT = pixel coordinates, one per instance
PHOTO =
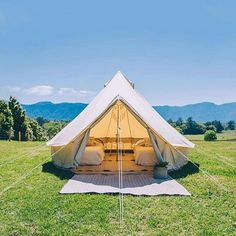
(31, 205)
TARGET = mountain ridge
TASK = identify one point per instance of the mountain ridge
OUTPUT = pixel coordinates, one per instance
(201, 112)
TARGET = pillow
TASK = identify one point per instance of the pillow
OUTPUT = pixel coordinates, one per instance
(95, 142)
(148, 142)
(98, 142)
(91, 142)
(93, 156)
(140, 142)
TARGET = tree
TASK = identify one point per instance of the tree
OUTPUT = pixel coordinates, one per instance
(14, 121)
(210, 135)
(18, 115)
(231, 125)
(218, 125)
(41, 121)
(38, 133)
(27, 131)
(171, 122)
(214, 125)
(192, 127)
(179, 129)
(179, 122)
(210, 126)
(53, 127)
(6, 121)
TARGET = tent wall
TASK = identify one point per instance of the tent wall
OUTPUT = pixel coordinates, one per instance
(81, 148)
(63, 156)
(180, 154)
(175, 156)
(130, 126)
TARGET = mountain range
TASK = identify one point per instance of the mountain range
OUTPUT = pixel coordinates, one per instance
(201, 112)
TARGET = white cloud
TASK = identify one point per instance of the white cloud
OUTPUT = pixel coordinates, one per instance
(47, 92)
(86, 92)
(67, 91)
(40, 90)
(72, 91)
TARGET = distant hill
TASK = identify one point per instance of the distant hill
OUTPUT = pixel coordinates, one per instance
(201, 112)
(51, 111)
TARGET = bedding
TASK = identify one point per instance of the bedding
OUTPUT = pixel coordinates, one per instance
(144, 142)
(93, 155)
(95, 142)
(144, 156)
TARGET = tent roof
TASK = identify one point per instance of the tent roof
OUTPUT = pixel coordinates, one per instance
(119, 88)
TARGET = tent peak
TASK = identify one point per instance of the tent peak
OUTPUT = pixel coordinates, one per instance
(119, 76)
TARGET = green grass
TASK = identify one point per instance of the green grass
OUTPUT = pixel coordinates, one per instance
(33, 205)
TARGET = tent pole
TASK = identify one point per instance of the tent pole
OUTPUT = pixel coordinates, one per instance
(119, 157)
(108, 128)
(129, 126)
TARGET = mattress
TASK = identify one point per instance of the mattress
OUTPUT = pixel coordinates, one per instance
(93, 155)
(144, 156)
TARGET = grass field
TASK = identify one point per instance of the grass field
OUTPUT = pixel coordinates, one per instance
(31, 205)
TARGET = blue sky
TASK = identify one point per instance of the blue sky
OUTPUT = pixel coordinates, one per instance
(176, 52)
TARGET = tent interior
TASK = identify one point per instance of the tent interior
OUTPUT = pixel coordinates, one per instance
(118, 136)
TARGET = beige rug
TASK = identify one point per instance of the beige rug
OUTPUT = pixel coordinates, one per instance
(142, 184)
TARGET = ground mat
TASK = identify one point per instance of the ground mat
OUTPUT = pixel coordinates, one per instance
(142, 184)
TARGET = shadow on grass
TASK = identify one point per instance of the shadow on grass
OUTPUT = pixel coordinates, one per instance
(48, 167)
(188, 169)
(226, 140)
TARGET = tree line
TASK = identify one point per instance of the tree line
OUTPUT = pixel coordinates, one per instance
(16, 125)
(192, 127)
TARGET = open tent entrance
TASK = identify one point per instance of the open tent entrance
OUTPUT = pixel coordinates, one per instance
(120, 145)
(119, 140)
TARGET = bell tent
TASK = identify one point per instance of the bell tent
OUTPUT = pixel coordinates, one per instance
(119, 121)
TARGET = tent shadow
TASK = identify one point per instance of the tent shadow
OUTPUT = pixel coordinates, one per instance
(62, 174)
(48, 167)
(189, 169)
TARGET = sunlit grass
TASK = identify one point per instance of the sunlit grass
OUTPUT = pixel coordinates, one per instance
(34, 207)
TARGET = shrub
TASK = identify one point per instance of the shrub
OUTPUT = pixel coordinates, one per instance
(210, 135)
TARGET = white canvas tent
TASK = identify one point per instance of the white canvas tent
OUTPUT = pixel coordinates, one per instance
(119, 104)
